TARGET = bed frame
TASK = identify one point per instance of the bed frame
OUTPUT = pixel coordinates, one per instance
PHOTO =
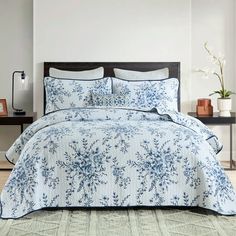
(174, 69)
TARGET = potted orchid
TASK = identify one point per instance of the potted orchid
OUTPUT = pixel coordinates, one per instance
(224, 102)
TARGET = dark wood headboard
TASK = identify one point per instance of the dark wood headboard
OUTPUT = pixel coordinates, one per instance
(174, 68)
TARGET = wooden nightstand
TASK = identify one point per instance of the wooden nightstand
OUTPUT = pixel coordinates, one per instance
(11, 119)
(219, 120)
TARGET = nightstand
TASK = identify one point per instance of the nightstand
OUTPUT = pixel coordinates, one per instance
(219, 120)
(11, 119)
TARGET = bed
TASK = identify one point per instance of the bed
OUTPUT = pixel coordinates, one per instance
(115, 156)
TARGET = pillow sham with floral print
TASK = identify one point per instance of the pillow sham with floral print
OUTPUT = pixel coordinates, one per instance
(149, 94)
(110, 100)
(70, 93)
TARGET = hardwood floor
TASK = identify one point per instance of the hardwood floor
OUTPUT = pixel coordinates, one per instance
(5, 165)
(4, 174)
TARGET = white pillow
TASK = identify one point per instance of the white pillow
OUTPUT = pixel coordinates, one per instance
(138, 75)
(85, 74)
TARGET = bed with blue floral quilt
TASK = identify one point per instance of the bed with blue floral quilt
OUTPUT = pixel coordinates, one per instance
(116, 157)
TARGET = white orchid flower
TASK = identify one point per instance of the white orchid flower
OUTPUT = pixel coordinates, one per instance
(220, 62)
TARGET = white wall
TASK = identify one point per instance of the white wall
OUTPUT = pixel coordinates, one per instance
(213, 21)
(111, 30)
(16, 53)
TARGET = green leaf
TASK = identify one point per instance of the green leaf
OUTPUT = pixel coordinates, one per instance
(227, 93)
(215, 92)
(223, 93)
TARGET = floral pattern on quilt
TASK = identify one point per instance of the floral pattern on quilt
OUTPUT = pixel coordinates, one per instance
(70, 93)
(99, 157)
(149, 94)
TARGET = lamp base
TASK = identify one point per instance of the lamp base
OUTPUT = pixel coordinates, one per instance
(19, 113)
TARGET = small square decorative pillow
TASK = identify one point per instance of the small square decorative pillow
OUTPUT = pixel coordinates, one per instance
(149, 94)
(110, 100)
(69, 93)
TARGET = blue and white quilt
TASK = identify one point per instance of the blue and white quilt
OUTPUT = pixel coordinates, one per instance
(99, 157)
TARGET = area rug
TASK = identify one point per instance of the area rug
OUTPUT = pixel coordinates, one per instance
(142, 222)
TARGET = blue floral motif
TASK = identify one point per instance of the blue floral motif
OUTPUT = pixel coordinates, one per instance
(149, 94)
(116, 157)
(77, 89)
(46, 202)
(190, 172)
(217, 181)
(115, 199)
(84, 168)
(23, 183)
(53, 136)
(55, 93)
(175, 200)
(121, 134)
(66, 93)
(156, 166)
(118, 172)
(48, 174)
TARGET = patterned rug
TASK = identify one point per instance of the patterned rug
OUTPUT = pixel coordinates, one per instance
(167, 222)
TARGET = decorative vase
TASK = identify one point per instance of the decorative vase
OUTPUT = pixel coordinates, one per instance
(224, 106)
(204, 107)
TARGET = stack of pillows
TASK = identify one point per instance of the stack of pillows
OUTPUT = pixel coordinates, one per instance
(133, 89)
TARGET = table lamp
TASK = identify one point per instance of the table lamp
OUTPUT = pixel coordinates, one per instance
(17, 111)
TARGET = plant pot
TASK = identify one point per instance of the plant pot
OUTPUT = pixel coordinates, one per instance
(224, 106)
